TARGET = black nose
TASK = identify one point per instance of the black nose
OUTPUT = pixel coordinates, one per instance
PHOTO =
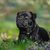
(30, 23)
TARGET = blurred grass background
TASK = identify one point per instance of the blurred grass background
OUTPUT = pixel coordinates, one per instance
(9, 9)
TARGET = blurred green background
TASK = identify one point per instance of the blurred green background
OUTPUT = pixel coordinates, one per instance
(9, 9)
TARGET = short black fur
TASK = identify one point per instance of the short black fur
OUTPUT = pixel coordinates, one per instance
(26, 23)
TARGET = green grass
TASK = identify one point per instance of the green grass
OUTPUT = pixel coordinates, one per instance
(22, 45)
(43, 23)
(10, 28)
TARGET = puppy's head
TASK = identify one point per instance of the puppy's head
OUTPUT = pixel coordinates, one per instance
(25, 19)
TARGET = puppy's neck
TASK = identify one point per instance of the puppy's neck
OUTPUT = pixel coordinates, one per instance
(36, 30)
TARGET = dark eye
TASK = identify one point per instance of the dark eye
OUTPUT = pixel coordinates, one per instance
(20, 17)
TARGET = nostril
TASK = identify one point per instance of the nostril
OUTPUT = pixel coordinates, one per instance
(30, 23)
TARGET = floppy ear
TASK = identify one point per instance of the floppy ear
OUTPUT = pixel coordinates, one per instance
(33, 15)
(18, 13)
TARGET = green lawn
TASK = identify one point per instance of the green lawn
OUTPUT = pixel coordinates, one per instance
(10, 28)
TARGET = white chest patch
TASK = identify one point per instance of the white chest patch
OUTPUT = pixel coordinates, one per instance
(28, 33)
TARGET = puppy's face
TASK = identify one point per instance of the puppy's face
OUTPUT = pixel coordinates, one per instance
(25, 19)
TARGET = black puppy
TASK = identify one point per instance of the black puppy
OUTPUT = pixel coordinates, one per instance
(26, 23)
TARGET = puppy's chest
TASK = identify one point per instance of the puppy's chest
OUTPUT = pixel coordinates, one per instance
(29, 30)
(33, 34)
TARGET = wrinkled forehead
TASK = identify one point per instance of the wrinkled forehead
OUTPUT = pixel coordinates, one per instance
(25, 14)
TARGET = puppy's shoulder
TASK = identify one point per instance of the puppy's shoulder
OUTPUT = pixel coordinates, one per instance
(42, 30)
(43, 34)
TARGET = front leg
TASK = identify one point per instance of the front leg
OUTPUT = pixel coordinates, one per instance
(22, 37)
